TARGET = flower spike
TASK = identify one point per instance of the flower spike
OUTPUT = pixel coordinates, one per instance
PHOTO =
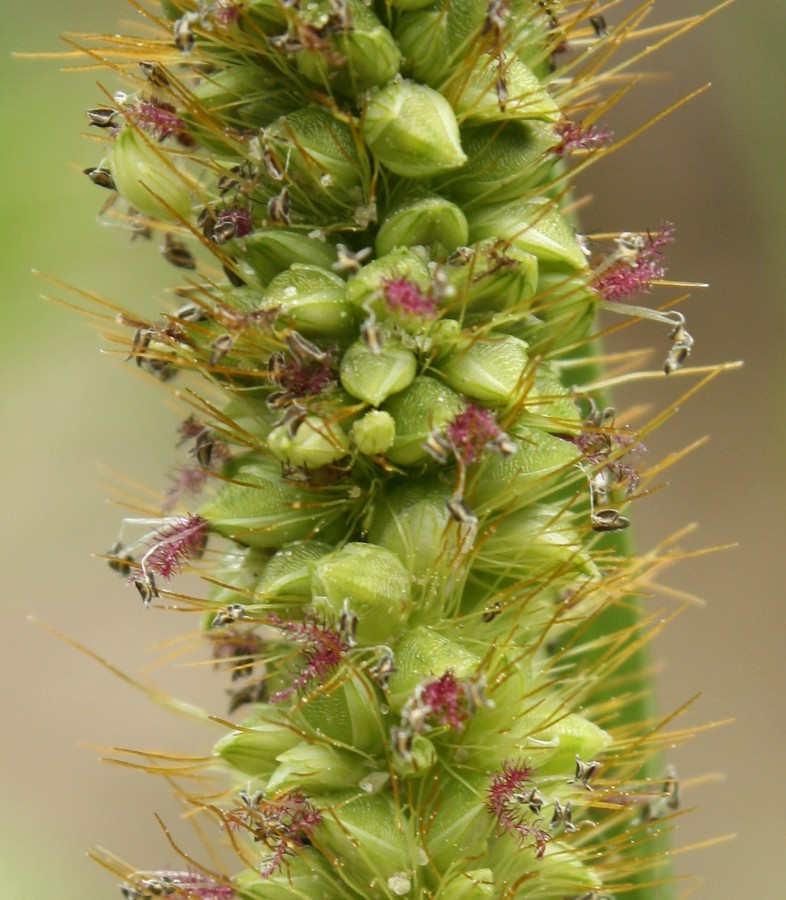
(416, 588)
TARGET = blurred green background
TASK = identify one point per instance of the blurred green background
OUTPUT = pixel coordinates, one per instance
(714, 168)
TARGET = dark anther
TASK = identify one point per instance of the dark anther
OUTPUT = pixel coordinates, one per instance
(101, 177)
(102, 117)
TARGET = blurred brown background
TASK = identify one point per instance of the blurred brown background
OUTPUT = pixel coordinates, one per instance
(714, 168)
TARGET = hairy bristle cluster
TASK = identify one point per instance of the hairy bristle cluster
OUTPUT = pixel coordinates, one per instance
(407, 296)
(383, 342)
(637, 263)
(178, 541)
(321, 649)
(515, 803)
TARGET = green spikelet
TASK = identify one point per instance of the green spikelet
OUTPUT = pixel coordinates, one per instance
(404, 491)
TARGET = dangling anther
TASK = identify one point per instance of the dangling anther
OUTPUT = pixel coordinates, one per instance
(228, 615)
(347, 625)
(563, 815)
(102, 117)
(382, 671)
(608, 520)
(372, 335)
(120, 560)
(436, 447)
(459, 510)
(401, 739)
(147, 588)
(604, 518)
(584, 772)
(681, 346)
(501, 85)
(303, 349)
(532, 799)
(220, 347)
(349, 261)
(599, 26)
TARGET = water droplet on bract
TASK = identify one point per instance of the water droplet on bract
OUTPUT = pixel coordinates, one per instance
(400, 883)
(374, 782)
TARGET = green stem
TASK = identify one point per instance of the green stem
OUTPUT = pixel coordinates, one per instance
(636, 672)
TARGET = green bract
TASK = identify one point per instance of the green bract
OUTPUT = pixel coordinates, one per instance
(375, 432)
(313, 300)
(147, 179)
(373, 377)
(321, 768)
(271, 251)
(260, 509)
(424, 653)
(314, 443)
(507, 482)
(244, 96)
(504, 161)
(424, 405)
(491, 370)
(534, 226)
(287, 572)
(371, 582)
(366, 50)
(348, 715)
(324, 165)
(430, 221)
(477, 98)
(491, 276)
(254, 750)
(412, 130)
(367, 288)
(412, 520)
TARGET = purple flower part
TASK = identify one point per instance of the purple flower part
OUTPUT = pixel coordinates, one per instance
(236, 220)
(157, 118)
(179, 540)
(624, 473)
(284, 824)
(225, 13)
(627, 277)
(302, 368)
(322, 651)
(240, 647)
(303, 378)
(446, 700)
(665, 235)
(471, 431)
(576, 137)
(185, 481)
(190, 480)
(197, 885)
(504, 800)
(275, 862)
(405, 296)
(209, 450)
(514, 777)
(538, 835)
(297, 816)
(621, 281)
(190, 428)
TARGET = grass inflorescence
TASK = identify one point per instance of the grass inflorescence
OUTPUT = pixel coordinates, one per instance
(400, 479)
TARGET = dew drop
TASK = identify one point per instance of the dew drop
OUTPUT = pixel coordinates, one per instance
(400, 883)
(374, 782)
